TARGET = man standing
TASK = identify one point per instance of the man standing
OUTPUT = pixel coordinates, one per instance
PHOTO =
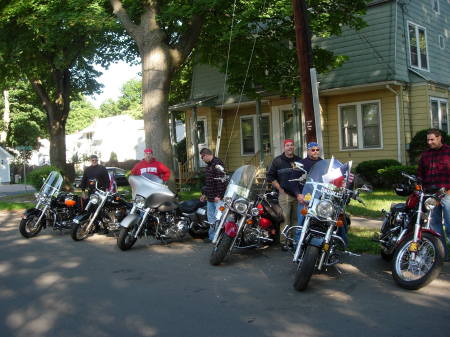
(214, 189)
(150, 165)
(434, 170)
(97, 172)
(287, 191)
(312, 157)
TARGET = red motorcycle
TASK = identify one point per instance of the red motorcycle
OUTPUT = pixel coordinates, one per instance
(407, 239)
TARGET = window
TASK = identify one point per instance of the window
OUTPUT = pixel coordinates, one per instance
(418, 46)
(435, 6)
(360, 125)
(441, 42)
(249, 134)
(439, 113)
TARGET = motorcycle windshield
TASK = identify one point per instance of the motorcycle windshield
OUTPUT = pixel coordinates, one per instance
(147, 184)
(246, 182)
(52, 184)
(330, 172)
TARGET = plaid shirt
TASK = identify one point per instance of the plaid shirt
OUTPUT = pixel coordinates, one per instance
(434, 167)
(213, 187)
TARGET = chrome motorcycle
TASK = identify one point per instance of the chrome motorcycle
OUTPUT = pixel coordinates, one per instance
(407, 239)
(249, 218)
(156, 212)
(104, 209)
(322, 236)
(54, 208)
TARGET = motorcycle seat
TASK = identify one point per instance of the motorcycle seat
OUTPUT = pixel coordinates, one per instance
(190, 206)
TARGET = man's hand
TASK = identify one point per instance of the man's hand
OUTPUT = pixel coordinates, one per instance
(216, 199)
(83, 195)
(202, 197)
(300, 198)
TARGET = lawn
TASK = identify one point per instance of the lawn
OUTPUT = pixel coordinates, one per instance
(17, 202)
(376, 201)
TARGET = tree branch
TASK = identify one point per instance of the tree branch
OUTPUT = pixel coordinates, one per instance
(123, 17)
(187, 41)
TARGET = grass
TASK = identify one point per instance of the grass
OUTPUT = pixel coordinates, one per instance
(375, 202)
(359, 240)
(17, 202)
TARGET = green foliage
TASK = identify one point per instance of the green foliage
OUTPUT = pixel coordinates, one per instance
(180, 150)
(374, 202)
(392, 174)
(419, 144)
(37, 177)
(83, 113)
(180, 86)
(369, 169)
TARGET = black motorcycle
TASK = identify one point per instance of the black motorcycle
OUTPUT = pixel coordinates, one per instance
(104, 211)
(54, 208)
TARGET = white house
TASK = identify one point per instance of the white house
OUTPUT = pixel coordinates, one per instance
(5, 159)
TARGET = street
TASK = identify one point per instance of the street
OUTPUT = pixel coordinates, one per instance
(53, 286)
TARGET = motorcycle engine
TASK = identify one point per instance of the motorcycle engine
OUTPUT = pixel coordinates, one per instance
(254, 234)
(173, 227)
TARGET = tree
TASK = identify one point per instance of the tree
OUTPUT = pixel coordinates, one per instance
(82, 114)
(54, 44)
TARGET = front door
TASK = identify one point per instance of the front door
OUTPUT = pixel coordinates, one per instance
(202, 134)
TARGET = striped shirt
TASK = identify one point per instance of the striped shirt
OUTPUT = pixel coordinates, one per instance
(434, 167)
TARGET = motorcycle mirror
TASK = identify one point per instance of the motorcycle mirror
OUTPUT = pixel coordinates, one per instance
(220, 168)
(298, 165)
(366, 188)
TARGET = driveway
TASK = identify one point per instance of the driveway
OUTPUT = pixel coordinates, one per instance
(15, 189)
(53, 286)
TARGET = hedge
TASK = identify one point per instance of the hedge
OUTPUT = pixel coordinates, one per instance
(37, 177)
(369, 170)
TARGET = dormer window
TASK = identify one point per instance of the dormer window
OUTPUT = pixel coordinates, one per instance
(418, 54)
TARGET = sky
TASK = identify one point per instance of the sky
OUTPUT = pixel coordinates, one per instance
(113, 80)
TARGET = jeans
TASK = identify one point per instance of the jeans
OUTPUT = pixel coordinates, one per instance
(436, 221)
(211, 212)
(342, 231)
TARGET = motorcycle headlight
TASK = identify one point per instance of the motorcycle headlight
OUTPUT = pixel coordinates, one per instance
(254, 211)
(139, 201)
(240, 206)
(430, 203)
(94, 199)
(325, 209)
(227, 201)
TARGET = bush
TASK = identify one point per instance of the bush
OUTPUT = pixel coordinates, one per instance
(419, 144)
(37, 177)
(392, 175)
(369, 170)
(180, 150)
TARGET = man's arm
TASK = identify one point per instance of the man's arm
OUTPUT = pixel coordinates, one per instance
(165, 172)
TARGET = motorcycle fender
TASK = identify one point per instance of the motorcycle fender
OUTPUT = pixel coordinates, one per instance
(432, 232)
(81, 217)
(130, 219)
(316, 241)
(30, 212)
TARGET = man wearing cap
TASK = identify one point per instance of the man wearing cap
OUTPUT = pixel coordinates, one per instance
(97, 172)
(287, 191)
(150, 165)
(312, 157)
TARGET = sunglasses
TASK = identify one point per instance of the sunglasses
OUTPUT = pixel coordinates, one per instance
(314, 150)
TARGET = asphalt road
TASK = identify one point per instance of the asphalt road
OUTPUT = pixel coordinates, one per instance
(53, 286)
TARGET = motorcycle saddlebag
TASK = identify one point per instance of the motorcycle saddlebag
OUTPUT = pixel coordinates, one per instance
(275, 212)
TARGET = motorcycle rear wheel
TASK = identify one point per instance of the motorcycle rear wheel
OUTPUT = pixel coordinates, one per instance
(198, 232)
(126, 240)
(415, 274)
(306, 268)
(29, 228)
(221, 249)
(80, 230)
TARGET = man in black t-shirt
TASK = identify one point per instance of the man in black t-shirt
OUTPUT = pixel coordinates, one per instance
(95, 171)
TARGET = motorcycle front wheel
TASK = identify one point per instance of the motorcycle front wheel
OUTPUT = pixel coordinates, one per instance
(416, 272)
(306, 268)
(29, 227)
(80, 230)
(126, 238)
(221, 249)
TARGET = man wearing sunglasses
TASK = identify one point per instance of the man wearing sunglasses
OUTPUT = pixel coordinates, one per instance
(97, 172)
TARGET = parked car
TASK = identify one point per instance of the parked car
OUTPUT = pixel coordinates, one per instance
(119, 173)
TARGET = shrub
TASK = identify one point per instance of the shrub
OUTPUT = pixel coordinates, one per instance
(180, 150)
(419, 144)
(392, 175)
(37, 177)
(369, 169)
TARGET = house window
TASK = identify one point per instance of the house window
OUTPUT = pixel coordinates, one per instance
(249, 134)
(418, 46)
(439, 113)
(441, 42)
(360, 125)
(435, 6)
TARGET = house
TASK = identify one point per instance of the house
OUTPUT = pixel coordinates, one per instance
(5, 160)
(395, 82)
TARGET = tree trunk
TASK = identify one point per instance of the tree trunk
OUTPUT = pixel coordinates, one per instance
(4, 133)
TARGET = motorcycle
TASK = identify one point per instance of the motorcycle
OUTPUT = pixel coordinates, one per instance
(322, 239)
(407, 239)
(104, 209)
(249, 218)
(156, 212)
(53, 208)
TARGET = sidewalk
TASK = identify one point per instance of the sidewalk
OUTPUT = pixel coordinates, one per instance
(13, 189)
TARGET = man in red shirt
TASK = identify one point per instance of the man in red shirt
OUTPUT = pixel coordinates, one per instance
(150, 165)
(434, 170)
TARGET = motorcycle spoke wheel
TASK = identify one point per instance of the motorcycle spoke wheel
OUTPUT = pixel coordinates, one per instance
(80, 231)
(29, 227)
(413, 270)
(126, 238)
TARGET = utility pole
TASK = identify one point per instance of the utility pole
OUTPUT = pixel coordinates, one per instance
(304, 56)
